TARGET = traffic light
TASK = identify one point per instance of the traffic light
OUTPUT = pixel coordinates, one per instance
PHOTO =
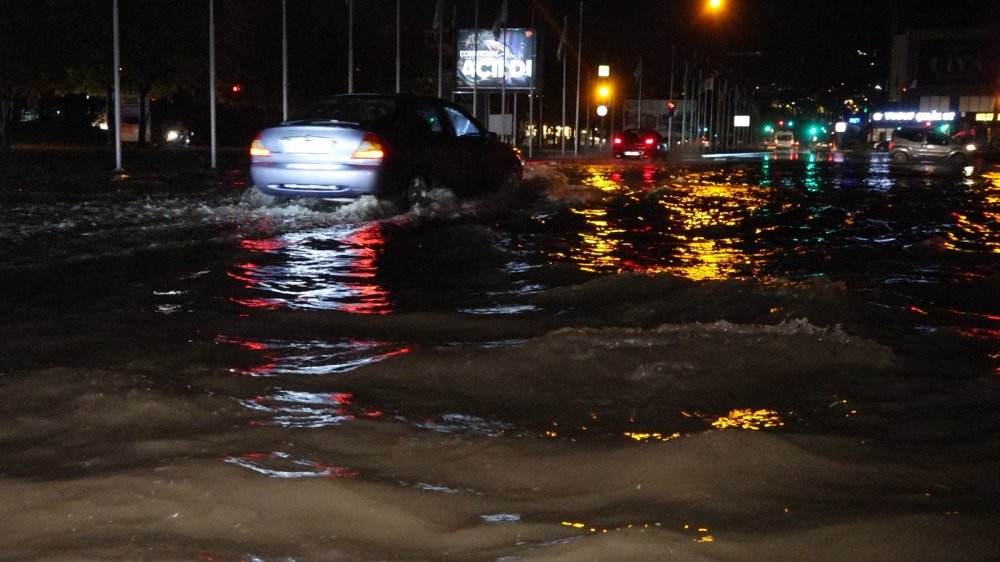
(671, 108)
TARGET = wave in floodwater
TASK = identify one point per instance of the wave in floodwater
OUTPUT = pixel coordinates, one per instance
(725, 362)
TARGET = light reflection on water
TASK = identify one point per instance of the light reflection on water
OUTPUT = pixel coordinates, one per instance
(285, 408)
(332, 268)
(748, 219)
(277, 464)
(673, 213)
(725, 223)
(312, 357)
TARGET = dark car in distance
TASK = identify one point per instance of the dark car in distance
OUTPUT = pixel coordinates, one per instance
(638, 143)
(395, 147)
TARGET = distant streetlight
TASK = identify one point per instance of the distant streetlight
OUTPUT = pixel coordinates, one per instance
(715, 5)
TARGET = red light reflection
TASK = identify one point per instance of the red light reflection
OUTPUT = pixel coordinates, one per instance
(331, 269)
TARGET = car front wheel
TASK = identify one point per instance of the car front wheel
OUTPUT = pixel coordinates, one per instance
(417, 191)
(958, 159)
(509, 181)
(900, 157)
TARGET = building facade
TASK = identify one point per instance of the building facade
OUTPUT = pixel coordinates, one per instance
(948, 79)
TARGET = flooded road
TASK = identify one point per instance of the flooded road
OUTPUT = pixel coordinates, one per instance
(735, 359)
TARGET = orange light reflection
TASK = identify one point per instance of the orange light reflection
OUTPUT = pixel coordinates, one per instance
(691, 203)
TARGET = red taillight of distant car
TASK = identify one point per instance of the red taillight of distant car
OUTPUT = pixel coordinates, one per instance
(649, 141)
(618, 140)
(369, 149)
(257, 148)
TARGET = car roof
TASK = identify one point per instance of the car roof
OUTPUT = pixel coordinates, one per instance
(391, 95)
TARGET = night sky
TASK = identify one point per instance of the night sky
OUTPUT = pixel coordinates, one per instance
(796, 43)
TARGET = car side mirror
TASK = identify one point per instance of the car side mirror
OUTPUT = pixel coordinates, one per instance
(492, 137)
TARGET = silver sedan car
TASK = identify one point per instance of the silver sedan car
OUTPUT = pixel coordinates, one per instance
(392, 146)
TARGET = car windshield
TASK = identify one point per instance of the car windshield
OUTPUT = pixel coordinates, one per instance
(349, 109)
(636, 135)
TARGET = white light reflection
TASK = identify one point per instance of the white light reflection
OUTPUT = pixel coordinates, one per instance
(333, 268)
(276, 464)
(312, 357)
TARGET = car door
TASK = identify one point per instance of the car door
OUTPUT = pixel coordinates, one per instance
(437, 155)
(936, 145)
(481, 163)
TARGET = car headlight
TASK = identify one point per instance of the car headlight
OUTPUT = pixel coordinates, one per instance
(172, 135)
(970, 147)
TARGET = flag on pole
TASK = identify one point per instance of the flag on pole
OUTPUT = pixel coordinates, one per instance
(562, 42)
(438, 10)
(709, 83)
(501, 20)
(638, 71)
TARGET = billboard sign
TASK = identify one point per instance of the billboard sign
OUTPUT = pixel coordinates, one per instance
(488, 62)
(968, 61)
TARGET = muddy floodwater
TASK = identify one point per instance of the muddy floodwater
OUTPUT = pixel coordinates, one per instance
(707, 360)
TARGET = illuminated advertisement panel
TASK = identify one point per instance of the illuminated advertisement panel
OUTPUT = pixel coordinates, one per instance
(490, 59)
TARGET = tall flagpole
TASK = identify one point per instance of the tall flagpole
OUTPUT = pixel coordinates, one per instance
(117, 82)
(211, 73)
(638, 112)
(684, 97)
(531, 100)
(562, 133)
(438, 24)
(475, 58)
(398, 61)
(670, 119)
(579, 56)
(350, 46)
(503, 69)
(284, 61)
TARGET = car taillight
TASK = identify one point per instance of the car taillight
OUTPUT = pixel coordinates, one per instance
(649, 141)
(891, 145)
(618, 140)
(257, 148)
(369, 149)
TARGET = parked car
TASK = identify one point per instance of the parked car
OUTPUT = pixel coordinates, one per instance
(638, 143)
(392, 146)
(927, 144)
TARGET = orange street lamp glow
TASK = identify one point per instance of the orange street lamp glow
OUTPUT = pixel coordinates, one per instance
(714, 5)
